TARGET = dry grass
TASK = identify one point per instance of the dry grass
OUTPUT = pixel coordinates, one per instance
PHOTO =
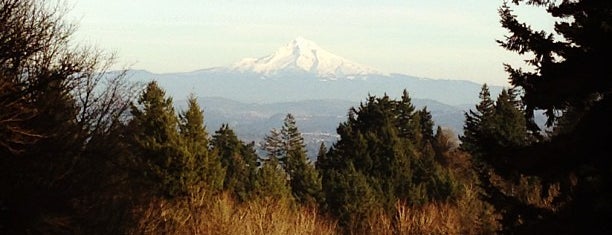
(468, 215)
(432, 218)
(222, 215)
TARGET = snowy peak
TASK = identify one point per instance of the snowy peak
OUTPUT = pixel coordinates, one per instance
(304, 56)
(301, 43)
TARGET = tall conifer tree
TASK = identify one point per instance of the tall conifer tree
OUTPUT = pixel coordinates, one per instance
(570, 77)
(476, 120)
(491, 129)
(288, 147)
(239, 161)
(304, 179)
(383, 142)
(272, 181)
(157, 144)
(205, 168)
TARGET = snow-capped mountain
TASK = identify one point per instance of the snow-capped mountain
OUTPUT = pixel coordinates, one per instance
(304, 56)
(313, 84)
(301, 70)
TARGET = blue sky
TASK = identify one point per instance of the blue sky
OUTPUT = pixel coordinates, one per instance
(442, 39)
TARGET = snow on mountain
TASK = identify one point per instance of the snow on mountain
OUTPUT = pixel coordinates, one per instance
(304, 56)
(297, 71)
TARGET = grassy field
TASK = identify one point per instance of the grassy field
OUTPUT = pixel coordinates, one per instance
(221, 214)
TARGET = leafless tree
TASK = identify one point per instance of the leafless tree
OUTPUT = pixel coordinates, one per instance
(36, 58)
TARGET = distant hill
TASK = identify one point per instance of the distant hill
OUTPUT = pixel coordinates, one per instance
(253, 88)
(318, 87)
(316, 119)
(302, 70)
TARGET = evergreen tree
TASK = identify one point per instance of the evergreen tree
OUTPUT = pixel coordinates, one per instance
(351, 199)
(294, 148)
(385, 146)
(511, 127)
(504, 128)
(288, 147)
(272, 181)
(475, 120)
(239, 161)
(204, 168)
(426, 125)
(274, 145)
(570, 77)
(405, 111)
(304, 178)
(494, 125)
(157, 144)
(322, 152)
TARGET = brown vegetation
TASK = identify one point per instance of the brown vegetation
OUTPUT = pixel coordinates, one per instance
(221, 214)
(469, 215)
(79, 156)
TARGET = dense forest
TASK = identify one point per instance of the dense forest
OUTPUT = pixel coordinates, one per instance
(82, 152)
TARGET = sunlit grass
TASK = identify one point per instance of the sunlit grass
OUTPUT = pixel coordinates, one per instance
(221, 214)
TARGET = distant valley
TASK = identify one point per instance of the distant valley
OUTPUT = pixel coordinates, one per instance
(318, 87)
(317, 119)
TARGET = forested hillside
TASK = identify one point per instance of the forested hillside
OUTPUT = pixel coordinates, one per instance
(82, 152)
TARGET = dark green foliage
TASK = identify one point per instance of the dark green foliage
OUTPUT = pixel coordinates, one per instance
(288, 147)
(582, 42)
(491, 129)
(204, 168)
(304, 178)
(157, 145)
(322, 152)
(405, 111)
(510, 129)
(388, 146)
(293, 144)
(305, 183)
(475, 121)
(272, 181)
(425, 125)
(571, 80)
(494, 125)
(350, 197)
(72, 160)
(239, 161)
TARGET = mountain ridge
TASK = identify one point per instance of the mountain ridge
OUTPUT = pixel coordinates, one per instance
(302, 70)
(317, 119)
(305, 56)
(255, 99)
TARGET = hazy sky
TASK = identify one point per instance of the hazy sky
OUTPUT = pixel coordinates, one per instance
(443, 39)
